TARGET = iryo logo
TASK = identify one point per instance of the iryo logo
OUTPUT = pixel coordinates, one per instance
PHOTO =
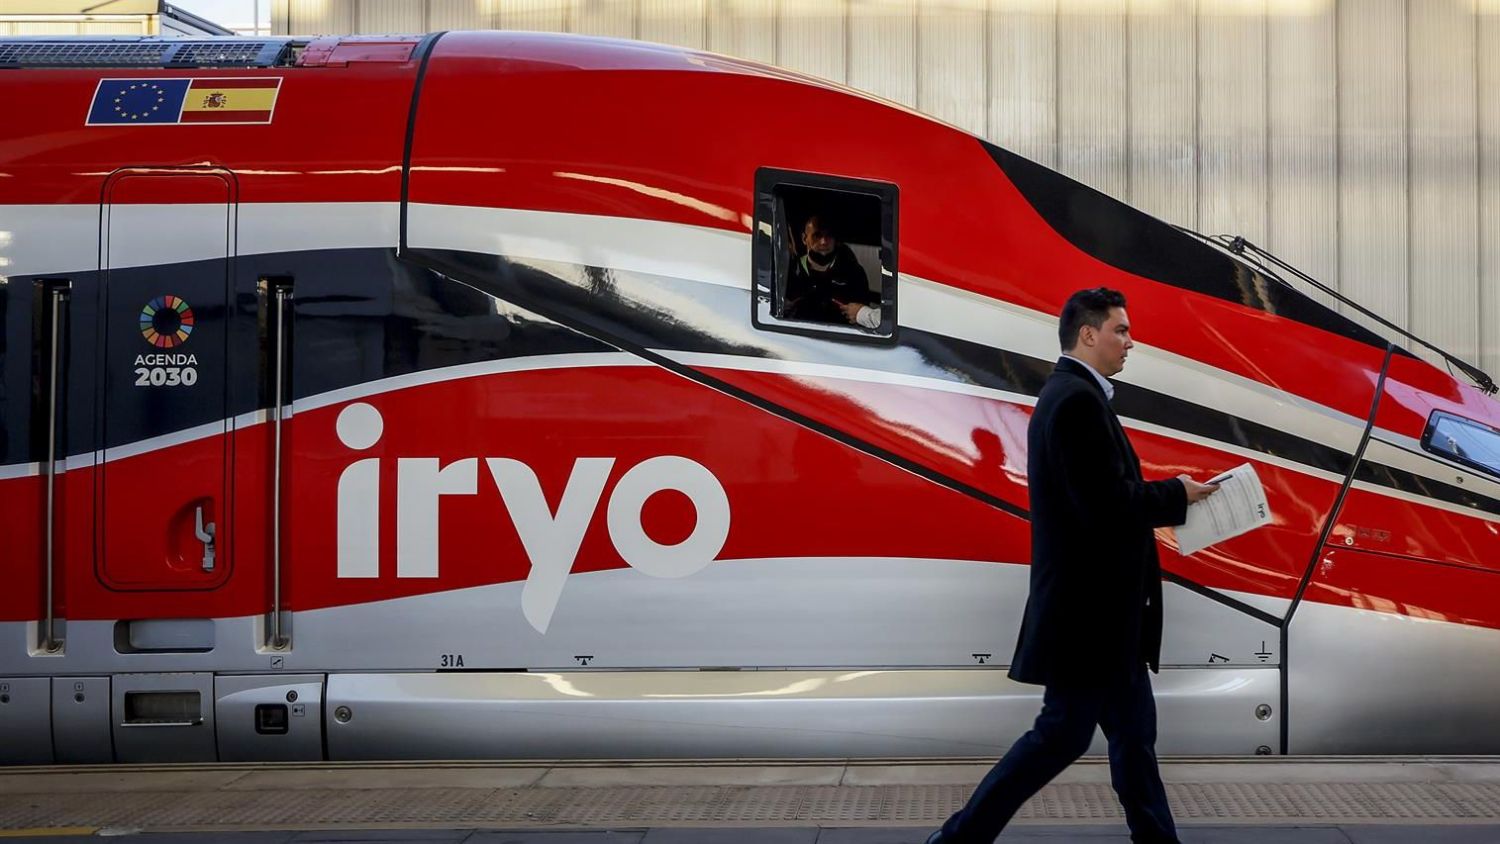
(551, 539)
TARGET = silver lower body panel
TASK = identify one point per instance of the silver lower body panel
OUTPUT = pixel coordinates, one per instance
(1363, 681)
(757, 714)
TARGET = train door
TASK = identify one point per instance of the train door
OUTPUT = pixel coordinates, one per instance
(163, 480)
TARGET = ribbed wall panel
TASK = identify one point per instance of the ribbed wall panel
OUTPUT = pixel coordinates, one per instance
(811, 36)
(391, 16)
(1359, 139)
(539, 15)
(1488, 96)
(1373, 205)
(455, 14)
(680, 22)
(883, 49)
(1444, 283)
(951, 83)
(614, 20)
(1163, 109)
(1302, 109)
(115, 28)
(744, 28)
(1092, 95)
(1232, 118)
(50, 28)
(1023, 78)
(321, 17)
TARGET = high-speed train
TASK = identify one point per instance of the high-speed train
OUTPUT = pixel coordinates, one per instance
(448, 396)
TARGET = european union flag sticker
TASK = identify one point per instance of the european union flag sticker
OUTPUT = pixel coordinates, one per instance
(138, 101)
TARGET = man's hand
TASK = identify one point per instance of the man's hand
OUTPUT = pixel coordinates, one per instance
(1195, 491)
(851, 311)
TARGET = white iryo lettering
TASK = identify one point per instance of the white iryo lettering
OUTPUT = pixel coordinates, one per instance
(419, 485)
(550, 540)
(659, 474)
(359, 426)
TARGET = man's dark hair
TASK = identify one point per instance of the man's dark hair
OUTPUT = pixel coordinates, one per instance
(1086, 307)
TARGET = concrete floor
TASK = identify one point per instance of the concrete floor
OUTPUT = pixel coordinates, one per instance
(1273, 834)
(1217, 801)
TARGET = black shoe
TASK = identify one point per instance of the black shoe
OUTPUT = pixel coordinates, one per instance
(936, 837)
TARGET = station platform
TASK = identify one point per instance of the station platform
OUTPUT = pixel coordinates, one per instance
(1265, 800)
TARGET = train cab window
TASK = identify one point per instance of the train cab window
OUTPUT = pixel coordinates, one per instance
(824, 256)
(1466, 441)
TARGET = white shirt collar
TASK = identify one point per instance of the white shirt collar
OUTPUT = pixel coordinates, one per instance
(1108, 388)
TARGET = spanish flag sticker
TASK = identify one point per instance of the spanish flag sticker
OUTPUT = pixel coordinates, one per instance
(231, 100)
(175, 101)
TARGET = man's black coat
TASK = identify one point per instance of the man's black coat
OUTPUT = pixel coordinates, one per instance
(1094, 613)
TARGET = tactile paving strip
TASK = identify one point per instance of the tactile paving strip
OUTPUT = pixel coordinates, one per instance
(729, 805)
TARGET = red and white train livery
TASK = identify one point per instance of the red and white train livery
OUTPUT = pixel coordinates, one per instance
(434, 397)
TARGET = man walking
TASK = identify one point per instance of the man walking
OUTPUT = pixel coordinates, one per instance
(1093, 619)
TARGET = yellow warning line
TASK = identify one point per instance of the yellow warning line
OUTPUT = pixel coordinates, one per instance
(47, 831)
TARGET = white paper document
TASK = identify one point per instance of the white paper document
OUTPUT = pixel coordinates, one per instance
(1238, 507)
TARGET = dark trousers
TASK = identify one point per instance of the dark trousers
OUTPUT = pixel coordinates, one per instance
(1126, 712)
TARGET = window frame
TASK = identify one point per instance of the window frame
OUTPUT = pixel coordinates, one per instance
(1431, 430)
(769, 239)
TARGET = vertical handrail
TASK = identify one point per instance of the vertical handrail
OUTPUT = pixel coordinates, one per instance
(50, 643)
(278, 640)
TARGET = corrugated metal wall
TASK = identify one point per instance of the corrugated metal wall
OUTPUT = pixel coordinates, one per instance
(42, 25)
(1358, 139)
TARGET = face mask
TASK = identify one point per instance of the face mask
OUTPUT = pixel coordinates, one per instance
(824, 258)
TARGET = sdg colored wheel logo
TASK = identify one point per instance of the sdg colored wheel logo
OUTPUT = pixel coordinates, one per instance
(166, 322)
